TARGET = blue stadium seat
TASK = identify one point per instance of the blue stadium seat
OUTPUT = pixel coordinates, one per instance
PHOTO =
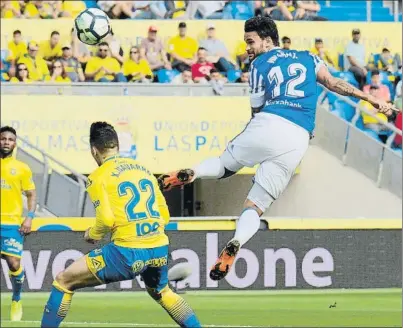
(91, 3)
(341, 61)
(373, 134)
(346, 76)
(233, 75)
(347, 111)
(241, 10)
(166, 76)
(331, 98)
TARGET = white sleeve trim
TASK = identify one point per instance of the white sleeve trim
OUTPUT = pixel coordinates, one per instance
(257, 99)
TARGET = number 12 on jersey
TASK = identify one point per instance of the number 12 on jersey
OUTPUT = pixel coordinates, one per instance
(295, 70)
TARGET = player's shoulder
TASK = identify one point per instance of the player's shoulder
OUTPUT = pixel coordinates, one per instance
(20, 165)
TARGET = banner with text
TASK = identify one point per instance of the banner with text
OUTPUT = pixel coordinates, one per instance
(164, 133)
(270, 260)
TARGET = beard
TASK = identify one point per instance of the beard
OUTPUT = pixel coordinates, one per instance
(6, 153)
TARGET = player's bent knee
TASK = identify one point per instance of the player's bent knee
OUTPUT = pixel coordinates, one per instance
(158, 295)
(14, 263)
(259, 199)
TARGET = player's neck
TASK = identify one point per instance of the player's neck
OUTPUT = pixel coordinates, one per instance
(108, 155)
(5, 156)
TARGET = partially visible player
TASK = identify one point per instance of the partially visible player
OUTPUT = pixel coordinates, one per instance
(16, 177)
(283, 96)
(128, 203)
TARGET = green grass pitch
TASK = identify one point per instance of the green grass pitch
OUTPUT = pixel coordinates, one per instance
(353, 308)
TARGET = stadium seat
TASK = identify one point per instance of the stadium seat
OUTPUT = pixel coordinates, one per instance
(372, 134)
(341, 61)
(241, 10)
(91, 3)
(166, 76)
(346, 76)
(331, 98)
(233, 75)
(347, 110)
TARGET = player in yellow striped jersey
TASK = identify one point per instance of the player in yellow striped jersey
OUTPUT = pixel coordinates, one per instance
(16, 177)
(130, 205)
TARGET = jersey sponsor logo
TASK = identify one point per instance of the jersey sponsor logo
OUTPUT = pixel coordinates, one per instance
(147, 229)
(11, 242)
(137, 266)
(158, 262)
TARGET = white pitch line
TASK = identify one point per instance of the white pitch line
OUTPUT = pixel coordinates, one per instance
(121, 324)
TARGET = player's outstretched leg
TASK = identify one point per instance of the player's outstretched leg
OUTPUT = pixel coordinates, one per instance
(74, 277)
(16, 274)
(176, 306)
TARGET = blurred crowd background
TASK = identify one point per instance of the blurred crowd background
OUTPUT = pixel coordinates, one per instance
(183, 59)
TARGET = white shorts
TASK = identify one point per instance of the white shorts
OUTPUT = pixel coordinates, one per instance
(275, 143)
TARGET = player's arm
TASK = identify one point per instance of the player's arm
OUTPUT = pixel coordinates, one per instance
(346, 89)
(104, 217)
(28, 186)
(256, 90)
(162, 205)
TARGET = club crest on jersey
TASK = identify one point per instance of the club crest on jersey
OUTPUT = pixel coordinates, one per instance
(137, 266)
(13, 171)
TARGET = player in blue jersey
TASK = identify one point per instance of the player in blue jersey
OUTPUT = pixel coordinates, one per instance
(283, 97)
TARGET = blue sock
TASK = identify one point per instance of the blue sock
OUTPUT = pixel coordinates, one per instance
(57, 307)
(17, 280)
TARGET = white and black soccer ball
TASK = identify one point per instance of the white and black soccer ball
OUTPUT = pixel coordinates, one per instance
(92, 25)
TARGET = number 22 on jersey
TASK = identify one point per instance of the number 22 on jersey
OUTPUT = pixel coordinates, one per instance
(138, 193)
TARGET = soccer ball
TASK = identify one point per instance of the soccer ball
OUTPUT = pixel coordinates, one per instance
(92, 25)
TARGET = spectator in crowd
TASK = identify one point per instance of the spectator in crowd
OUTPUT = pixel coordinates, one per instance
(217, 81)
(37, 67)
(21, 74)
(104, 68)
(115, 47)
(244, 78)
(201, 69)
(242, 57)
(182, 49)
(308, 10)
(136, 69)
(42, 9)
(4, 77)
(321, 52)
(205, 9)
(369, 121)
(17, 46)
(71, 65)
(59, 74)
(286, 41)
(397, 143)
(152, 49)
(389, 63)
(10, 9)
(81, 51)
(354, 58)
(382, 90)
(72, 8)
(278, 10)
(117, 9)
(51, 49)
(183, 78)
(398, 90)
(217, 52)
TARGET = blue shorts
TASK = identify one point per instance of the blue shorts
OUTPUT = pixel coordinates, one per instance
(11, 241)
(114, 263)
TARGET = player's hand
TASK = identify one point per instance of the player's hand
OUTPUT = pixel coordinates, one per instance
(383, 107)
(87, 237)
(25, 228)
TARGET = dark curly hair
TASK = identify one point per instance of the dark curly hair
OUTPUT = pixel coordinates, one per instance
(103, 136)
(265, 27)
(8, 129)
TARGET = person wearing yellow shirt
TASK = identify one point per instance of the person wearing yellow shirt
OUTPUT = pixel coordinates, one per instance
(37, 67)
(10, 9)
(72, 8)
(40, 9)
(321, 52)
(16, 178)
(369, 121)
(182, 49)
(129, 205)
(51, 49)
(21, 74)
(242, 57)
(58, 73)
(136, 69)
(17, 46)
(104, 68)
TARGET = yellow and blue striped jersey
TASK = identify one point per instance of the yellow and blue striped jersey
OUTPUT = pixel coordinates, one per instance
(129, 203)
(16, 177)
